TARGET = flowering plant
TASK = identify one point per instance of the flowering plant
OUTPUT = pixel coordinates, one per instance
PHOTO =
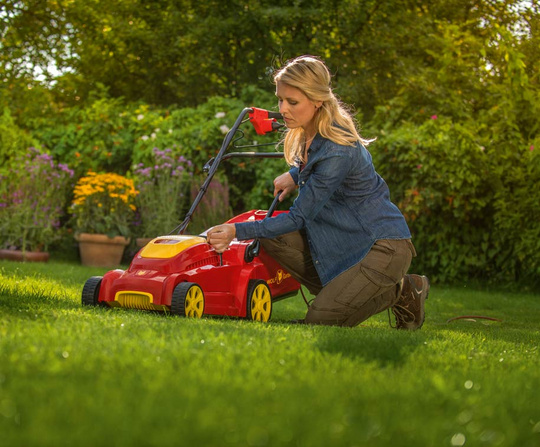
(162, 195)
(104, 204)
(33, 196)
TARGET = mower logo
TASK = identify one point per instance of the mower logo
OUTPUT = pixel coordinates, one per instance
(279, 278)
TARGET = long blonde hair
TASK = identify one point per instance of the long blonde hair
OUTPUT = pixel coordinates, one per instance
(333, 119)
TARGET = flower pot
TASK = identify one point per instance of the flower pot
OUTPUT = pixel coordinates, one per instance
(99, 250)
(25, 256)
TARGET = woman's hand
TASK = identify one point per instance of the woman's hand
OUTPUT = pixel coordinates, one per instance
(221, 236)
(284, 183)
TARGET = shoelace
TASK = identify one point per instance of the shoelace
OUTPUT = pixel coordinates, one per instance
(401, 313)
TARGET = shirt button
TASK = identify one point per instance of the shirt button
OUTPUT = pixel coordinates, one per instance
(316, 262)
(303, 183)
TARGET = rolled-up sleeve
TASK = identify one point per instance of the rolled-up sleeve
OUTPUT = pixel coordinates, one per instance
(294, 174)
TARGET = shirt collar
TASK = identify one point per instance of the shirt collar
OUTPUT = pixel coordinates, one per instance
(316, 143)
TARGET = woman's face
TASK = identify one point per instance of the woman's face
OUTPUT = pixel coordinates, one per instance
(297, 109)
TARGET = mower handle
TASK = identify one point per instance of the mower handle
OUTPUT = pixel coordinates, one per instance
(263, 121)
(273, 206)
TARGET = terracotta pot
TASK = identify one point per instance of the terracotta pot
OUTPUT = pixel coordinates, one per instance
(99, 250)
(25, 256)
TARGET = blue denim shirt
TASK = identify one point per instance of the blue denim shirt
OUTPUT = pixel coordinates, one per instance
(343, 205)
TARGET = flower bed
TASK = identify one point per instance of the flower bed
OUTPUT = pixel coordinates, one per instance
(33, 196)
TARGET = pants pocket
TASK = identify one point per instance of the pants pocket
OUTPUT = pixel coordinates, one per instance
(378, 278)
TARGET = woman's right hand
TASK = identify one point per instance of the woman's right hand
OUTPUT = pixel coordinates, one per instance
(284, 183)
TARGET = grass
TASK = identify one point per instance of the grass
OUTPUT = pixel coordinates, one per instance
(73, 376)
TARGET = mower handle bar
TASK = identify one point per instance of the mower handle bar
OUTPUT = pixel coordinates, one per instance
(264, 119)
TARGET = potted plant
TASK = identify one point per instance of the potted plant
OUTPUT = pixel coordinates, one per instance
(162, 185)
(33, 197)
(103, 208)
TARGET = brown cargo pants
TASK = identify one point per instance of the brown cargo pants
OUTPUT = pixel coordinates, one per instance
(367, 288)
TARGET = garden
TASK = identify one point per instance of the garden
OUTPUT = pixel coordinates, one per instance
(108, 113)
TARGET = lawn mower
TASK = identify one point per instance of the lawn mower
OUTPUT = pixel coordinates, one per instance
(182, 274)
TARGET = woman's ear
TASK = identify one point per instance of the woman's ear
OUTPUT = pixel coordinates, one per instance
(318, 104)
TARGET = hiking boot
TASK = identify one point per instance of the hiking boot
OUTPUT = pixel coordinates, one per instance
(409, 309)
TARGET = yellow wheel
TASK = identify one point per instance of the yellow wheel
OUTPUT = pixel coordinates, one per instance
(259, 301)
(188, 300)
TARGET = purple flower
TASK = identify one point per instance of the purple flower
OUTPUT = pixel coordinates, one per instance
(44, 157)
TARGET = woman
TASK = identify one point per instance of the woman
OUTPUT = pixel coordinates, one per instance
(342, 238)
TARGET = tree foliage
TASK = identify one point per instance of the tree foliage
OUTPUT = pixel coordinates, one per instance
(183, 51)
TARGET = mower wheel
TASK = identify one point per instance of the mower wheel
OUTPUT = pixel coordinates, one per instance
(259, 301)
(90, 292)
(188, 300)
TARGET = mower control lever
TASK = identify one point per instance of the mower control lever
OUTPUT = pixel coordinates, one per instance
(253, 249)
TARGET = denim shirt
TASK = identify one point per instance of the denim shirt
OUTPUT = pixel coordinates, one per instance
(343, 205)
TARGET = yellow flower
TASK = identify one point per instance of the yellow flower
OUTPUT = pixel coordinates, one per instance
(103, 200)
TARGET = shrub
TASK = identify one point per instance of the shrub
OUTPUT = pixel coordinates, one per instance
(110, 135)
(517, 215)
(13, 141)
(99, 137)
(439, 177)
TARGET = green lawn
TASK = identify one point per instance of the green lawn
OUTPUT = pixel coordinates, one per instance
(73, 376)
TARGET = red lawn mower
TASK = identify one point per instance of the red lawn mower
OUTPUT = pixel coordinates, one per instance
(182, 274)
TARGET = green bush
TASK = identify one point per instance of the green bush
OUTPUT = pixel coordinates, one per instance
(517, 216)
(439, 177)
(13, 141)
(99, 137)
(472, 209)
(109, 135)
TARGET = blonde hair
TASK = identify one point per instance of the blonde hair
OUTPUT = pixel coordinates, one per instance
(333, 119)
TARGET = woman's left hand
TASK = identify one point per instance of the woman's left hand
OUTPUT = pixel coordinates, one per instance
(221, 236)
